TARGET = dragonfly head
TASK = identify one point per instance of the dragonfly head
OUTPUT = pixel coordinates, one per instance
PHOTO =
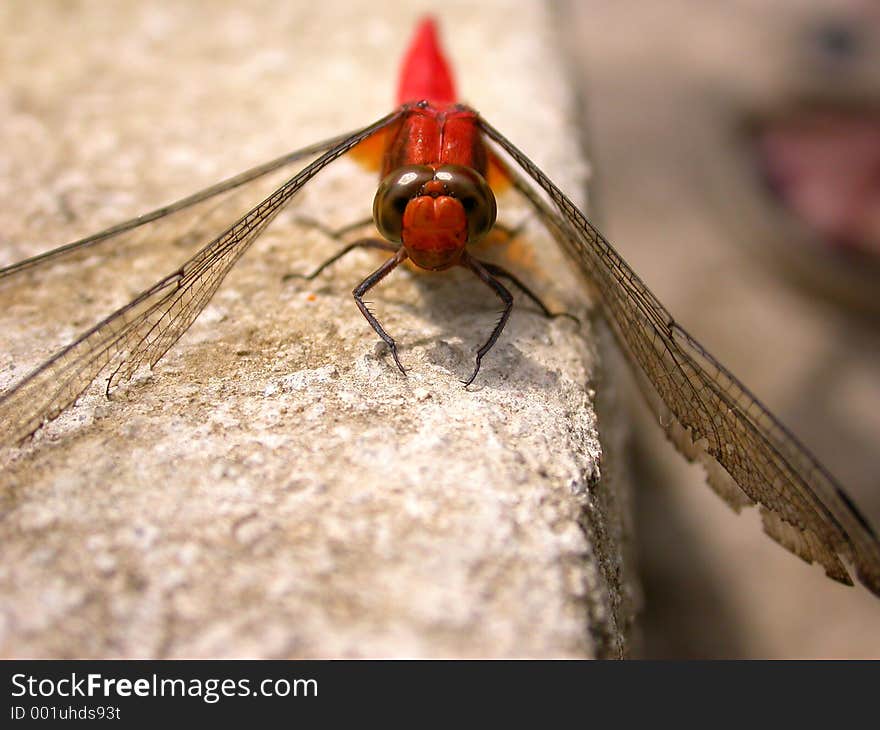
(434, 212)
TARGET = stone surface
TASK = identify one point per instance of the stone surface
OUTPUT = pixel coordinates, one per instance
(275, 487)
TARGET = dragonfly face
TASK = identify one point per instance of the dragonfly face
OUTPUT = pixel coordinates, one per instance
(434, 212)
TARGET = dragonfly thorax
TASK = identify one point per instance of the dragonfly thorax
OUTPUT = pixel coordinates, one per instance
(434, 211)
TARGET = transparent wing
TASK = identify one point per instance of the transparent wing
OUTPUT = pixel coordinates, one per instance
(749, 455)
(144, 329)
(213, 191)
(85, 285)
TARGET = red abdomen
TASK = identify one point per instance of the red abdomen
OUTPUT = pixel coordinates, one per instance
(425, 74)
(435, 130)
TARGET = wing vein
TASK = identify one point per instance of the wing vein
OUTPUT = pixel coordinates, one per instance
(715, 418)
(145, 328)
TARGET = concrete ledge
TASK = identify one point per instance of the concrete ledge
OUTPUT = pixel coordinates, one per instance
(275, 487)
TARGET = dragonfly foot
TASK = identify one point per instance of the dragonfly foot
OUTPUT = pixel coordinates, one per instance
(393, 347)
(474, 373)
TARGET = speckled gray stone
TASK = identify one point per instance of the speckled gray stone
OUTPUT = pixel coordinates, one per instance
(275, 487)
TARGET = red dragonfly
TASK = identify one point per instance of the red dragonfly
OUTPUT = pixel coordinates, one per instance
(441, 164)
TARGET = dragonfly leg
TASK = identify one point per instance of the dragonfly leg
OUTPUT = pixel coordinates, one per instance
(368, 284)
(483, 273)
(338, 234)
(360, 243)
(499, 271)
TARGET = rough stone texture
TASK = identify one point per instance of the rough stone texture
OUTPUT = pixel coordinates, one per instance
(274, 487)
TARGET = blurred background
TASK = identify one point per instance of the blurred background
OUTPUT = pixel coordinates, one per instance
(737, 155)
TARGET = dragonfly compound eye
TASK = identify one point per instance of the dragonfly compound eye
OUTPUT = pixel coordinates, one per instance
(395, 191)
(468, 187)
